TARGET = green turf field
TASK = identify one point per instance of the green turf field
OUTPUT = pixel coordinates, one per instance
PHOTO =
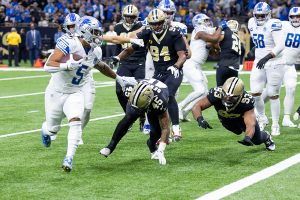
(204, 161)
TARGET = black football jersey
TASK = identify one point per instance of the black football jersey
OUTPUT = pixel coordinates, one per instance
(164, 49)
(230, 49)
(245, 104)
(161, 93)
(121, 30)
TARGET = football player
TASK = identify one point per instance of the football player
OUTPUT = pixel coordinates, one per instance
(202, 33)
(230, 46)
(168, 51)
(296, 115)
(135, 65)
(235, 108)
(291, 53)
(149, 96)
(64, 96)
(89, 86)
(268, 68)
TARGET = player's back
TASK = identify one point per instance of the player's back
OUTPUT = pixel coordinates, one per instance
(292, 41)
(264, 41)
(180, 25)
(72, 81)
(198, 47)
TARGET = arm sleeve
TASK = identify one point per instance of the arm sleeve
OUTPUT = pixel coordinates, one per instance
(180, 44)
(279, 42)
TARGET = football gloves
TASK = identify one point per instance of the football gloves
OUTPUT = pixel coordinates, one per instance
(125, 80)
(251, 54)
(139, 42)
(160, 156)
(115, 60)
(296, 116)
(203, 123)
(71, 64)
(246, 141)
(223, 24)
(263, 61)
(174, 70)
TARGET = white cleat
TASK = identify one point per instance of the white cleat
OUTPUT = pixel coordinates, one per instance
(184, 116)
(275, 129)
(288, 123)
(53, 137)
(263, 122)
(81, 142)
(176, 130)
(105, 152)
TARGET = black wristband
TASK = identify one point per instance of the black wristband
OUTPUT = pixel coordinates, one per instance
(176, 66)
(200, 118)
(247, 137)
(269, 56)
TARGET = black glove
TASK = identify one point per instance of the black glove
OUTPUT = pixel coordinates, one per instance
(115, 60)
(246, 141)
(251, 54)
(203, 123)
(263, 61)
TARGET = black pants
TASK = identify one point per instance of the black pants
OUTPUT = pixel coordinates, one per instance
(11, 49)
(238, 126)
(224, 73)
(110, 49)
(23, 54)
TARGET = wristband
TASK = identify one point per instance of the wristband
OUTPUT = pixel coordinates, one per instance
(200, 118)
(63, 66)
(162, 146)
(176, 66)
(247, 137)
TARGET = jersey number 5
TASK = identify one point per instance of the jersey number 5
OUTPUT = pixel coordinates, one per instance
(75, 80)
(236, 44)
(292, 40)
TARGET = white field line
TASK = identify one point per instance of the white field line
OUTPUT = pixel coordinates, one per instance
(6, 79)
(250, 180)
(37, 69)
(19, 133)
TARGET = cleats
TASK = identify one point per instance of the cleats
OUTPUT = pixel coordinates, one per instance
(67, 164)
(275, 129)
(176, 130)
(270, 145)
(146, 129)
(81, 142)
(184, 116)
(46, 139)
(288, 123)
(263, 122)
(105, 152)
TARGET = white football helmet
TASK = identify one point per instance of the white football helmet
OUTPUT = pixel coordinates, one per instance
(201, 19)
(90, 30)
(262, 8)
(71, 19)
(295, 12)
(167, 6)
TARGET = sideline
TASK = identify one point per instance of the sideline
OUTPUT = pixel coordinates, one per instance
(36, 130)
(250, 180)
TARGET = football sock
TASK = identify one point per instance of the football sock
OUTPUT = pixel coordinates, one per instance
(173, 110)
(85, 117)
(260, 106)
(264, 96)
(45, 129)
(275, 109)
(122, 100)
(289, 100)
(74, 137)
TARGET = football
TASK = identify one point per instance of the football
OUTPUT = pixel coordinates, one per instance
(67, 57)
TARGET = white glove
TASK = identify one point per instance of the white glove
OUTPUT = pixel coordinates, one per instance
(175, 71)
(71, 64)
(160, 156)
(139, 42)
(125, 80)
(98, 54)
(296, 116)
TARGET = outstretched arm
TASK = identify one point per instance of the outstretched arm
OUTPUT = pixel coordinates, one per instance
(165, 126)
(250, 121)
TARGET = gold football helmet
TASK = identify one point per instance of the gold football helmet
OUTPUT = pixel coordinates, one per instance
(232, 91)
(157, 17)
(141, 97)
(233, 26)
(132, 14)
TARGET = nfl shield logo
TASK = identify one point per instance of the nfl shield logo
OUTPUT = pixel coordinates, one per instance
(265, 28)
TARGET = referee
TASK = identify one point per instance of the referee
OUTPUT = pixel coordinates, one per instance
(13, 40)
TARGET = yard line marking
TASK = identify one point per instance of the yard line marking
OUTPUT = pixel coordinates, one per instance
(36, 130)
(23, 95)
(33, 111)
(250, 180)
(5, 79)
